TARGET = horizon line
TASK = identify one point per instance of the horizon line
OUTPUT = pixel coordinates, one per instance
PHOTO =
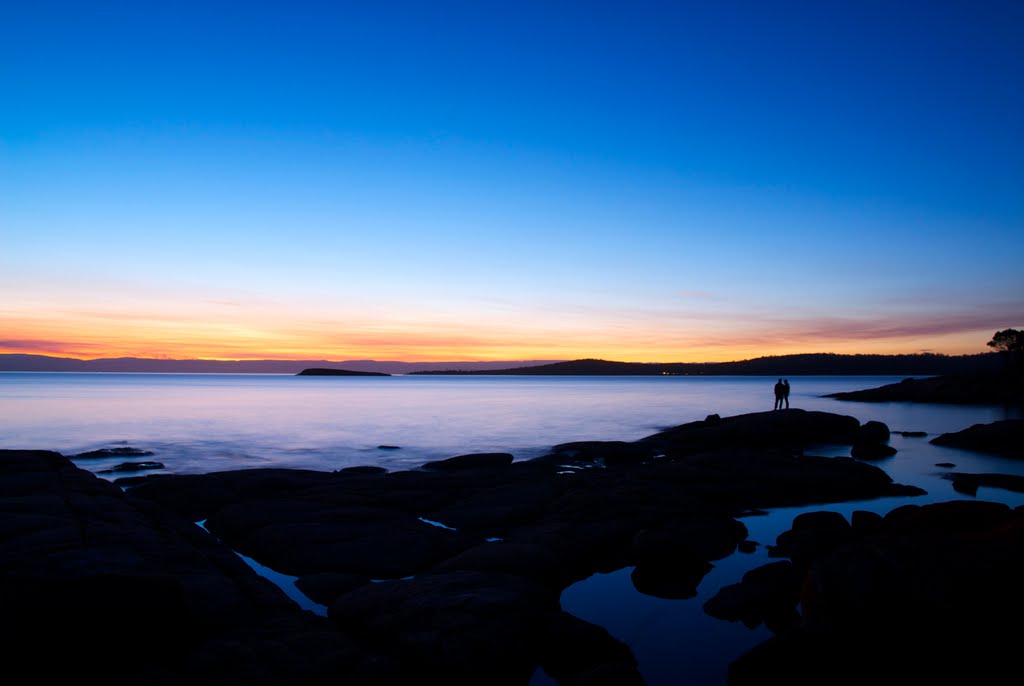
(471, 361)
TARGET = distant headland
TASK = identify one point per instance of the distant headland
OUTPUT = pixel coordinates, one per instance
(813, 364)
(321, 371)
(991, 387)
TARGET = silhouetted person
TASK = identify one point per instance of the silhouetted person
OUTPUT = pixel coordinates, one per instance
(780, 392)
(785, 393)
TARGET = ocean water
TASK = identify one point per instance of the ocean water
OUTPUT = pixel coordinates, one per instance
(196, 423)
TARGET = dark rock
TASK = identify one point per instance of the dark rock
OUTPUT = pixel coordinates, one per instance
(707, 536)
(605, 452)
(820, 521)
(471, 461)
(871, 432)
(812, 535)
(614, 674)
(965, 483)
(903, 512)
(864, 522)
(672, 560)
(792, 430)
(389, 447)
(491, 511)
(977, 388)
(768, 594)
(560, 461)
(773, 479)
(471, 627)
(197, 496)
(130, 481)
(1004, 438)
(323, 588)
(299, 537)
(913, 434)
(528, 560)
(869, 442)
(672, 577)
(871, 451)
(78, 553)
(969, 483)
(938, 579)
(577, 652)
(362, 469)
(945, 464)
(112, 452)
(133, 467)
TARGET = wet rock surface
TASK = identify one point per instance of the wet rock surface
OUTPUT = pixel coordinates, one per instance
(969, 483)
(1005, 438)
(88, 571)
(925, 594)
(451, 575)
(121, 451)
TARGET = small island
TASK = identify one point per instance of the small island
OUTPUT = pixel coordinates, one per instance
(322, 371)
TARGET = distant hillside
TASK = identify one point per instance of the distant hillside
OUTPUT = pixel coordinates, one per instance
(814, 364)
(784, 365)
(46, 363)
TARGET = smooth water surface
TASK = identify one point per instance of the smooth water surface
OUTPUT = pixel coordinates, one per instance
(195, 423)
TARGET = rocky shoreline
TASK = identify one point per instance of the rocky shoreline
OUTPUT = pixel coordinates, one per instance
(993, 387)
(452, 573)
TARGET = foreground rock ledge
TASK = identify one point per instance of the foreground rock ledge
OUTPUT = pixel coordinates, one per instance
(450, 575)
(925, 594)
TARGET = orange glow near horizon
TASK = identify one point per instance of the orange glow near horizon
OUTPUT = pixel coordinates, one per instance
(176, 324)
(181, 340)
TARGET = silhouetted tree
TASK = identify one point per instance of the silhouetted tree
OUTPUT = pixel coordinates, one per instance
(1010, 342)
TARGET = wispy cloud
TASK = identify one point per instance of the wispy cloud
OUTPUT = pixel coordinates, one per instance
(707, 330)
(58, 348)
(29, 344)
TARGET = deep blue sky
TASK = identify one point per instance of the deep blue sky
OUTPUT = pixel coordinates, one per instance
(655, 181)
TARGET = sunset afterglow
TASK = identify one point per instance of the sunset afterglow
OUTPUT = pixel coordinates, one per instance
(465, 181)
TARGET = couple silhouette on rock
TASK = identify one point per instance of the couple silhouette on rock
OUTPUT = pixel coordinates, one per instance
(781, 394)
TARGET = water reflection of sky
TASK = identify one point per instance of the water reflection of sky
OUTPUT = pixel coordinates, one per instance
(665, 635)
(200, 423)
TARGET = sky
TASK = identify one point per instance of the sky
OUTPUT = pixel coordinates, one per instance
(432, 181)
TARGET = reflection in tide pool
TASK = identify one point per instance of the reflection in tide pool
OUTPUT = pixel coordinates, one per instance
(675, 642)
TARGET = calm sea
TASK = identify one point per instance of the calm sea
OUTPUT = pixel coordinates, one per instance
(195, 423)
